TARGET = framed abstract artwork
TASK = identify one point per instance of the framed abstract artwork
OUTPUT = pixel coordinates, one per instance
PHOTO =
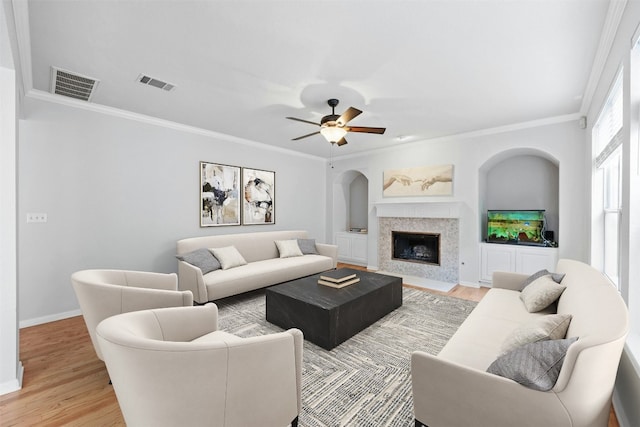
(421, 181)
(258, 205)
(219, 195)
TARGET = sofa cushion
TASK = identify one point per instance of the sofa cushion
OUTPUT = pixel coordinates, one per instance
(288, 248)
(534, 365)
(308, 246)
(541, 293)
(201, 258)
(229, 257)
(550, 327)
(557, 277)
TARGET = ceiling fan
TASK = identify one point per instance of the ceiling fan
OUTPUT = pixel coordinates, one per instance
(334, 127)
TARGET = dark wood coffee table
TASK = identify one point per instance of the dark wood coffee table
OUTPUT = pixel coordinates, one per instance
(328, 316)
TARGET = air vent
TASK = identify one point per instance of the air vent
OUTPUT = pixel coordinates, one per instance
(146, 80)
(73, 85)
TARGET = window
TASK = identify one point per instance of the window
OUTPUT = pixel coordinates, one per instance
(607, 141)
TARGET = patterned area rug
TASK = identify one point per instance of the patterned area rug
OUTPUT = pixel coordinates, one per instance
(366, 380)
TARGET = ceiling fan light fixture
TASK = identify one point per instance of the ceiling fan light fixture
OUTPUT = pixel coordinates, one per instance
(333, 134)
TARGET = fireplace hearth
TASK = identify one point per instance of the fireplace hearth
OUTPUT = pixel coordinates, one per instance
(416, 247)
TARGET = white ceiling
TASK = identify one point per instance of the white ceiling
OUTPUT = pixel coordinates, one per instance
(422, 69)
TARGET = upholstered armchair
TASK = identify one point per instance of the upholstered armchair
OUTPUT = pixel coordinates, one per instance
(173, 367)
(104, 293)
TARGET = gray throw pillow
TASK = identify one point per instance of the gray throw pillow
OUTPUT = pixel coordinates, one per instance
(307, 246)
(201, 258)
(557, 277)
(536, 365)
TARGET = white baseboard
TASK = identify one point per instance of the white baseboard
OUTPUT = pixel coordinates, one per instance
(50, 318)
(471, 284)
(14, 384)
(623, 420)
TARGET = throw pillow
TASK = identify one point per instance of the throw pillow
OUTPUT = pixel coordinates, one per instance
(557, 277)
(541, 293)
(535, 365)
(228, 256)
(201, 258)
(551, 327)
(307, 246)
(288, 248)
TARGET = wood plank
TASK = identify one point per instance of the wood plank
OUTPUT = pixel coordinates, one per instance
(66, 384)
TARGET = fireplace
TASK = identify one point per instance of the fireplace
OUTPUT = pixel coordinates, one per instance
(416, 247)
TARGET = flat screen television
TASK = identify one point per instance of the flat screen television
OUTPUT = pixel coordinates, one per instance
(517, 227)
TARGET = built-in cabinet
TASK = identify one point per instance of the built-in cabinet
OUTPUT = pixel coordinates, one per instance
(514, 258)
(352, 248)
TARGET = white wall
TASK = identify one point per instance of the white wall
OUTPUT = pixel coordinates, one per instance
(11, 369)
(119, 193)
(358, 202)
(563, 142)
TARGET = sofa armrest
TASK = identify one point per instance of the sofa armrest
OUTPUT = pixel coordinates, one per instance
(190, 278)
(508, 280)
(262, 375)
(298, 341)
(449, 394)
(328, 250)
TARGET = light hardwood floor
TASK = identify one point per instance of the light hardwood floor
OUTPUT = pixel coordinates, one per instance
(66, 384)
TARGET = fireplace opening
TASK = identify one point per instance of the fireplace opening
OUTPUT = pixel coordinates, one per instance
(416, 247)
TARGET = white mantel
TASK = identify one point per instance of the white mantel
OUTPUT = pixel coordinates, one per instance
(419, 209)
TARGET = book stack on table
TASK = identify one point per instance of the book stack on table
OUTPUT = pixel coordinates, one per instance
(338, 278)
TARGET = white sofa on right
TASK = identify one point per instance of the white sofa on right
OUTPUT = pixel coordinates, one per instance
(454, 389)
(265, 266)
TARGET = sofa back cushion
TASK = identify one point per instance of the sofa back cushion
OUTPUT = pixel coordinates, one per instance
(597, 308)
(252, 246)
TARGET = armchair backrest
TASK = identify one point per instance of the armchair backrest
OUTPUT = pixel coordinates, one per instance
(105, 293)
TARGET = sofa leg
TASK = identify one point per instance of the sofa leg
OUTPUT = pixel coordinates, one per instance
(419, 424)
(294, 423)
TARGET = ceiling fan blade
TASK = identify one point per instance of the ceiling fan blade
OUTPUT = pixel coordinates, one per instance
(342, 142)
(348, 115)
(303, 121)
(304, 136)
(365, 129)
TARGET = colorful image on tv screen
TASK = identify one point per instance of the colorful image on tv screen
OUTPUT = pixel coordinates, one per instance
(515, 226)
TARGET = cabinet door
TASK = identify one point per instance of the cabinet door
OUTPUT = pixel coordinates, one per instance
(359, 248)
(496, 258)
(344, 246)
(531, 260)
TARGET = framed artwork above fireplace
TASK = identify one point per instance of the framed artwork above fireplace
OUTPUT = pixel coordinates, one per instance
(435, 180)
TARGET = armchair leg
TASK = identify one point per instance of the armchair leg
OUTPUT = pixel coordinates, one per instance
(294, 423)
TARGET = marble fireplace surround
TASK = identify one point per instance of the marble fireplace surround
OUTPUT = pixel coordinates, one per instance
(423, 217)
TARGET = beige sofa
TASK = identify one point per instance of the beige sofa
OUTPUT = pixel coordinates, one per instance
(454, 388)
(264, 266)
(173, 367)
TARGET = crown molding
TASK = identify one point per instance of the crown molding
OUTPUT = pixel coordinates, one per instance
(607, 37)
(473, 134)
(116, 112)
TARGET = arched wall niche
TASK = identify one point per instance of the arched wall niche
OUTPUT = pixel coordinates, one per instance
(350, 200)
(520, 179)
